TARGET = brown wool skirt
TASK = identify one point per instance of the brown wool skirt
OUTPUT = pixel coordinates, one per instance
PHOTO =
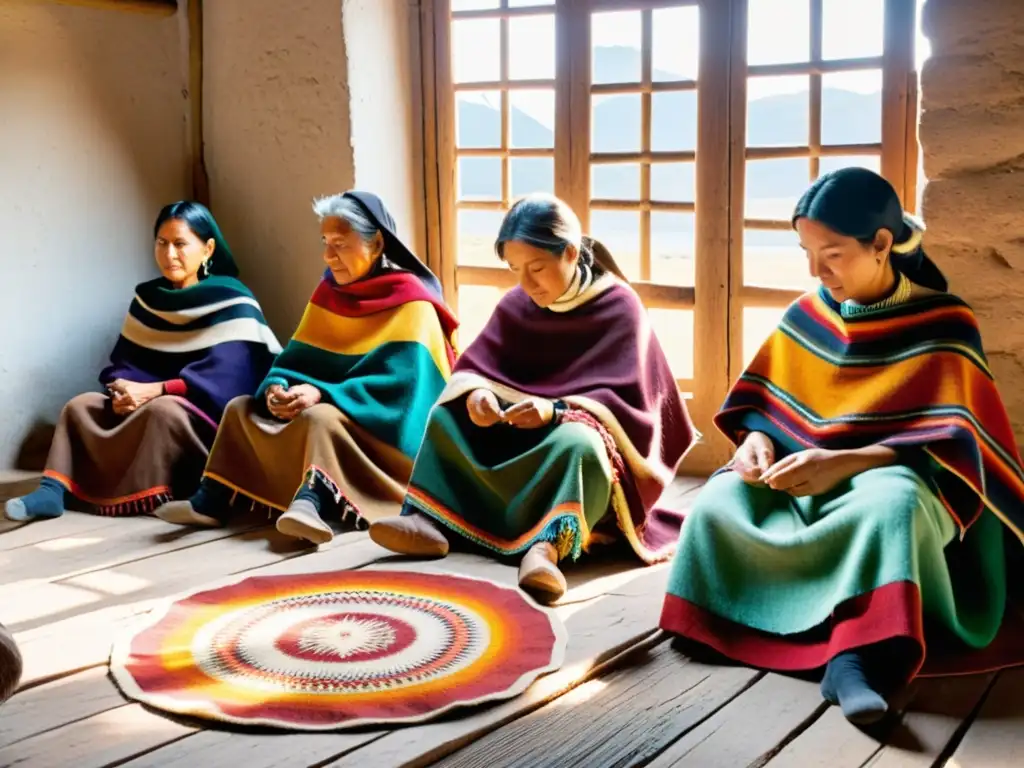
(128, 465)
(268, 461)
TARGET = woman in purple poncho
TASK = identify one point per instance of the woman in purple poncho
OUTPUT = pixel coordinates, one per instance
(561, 424)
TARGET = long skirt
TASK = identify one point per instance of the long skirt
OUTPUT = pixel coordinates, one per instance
(268, 461)
(506, 488)
(787, 583)
(129, 465)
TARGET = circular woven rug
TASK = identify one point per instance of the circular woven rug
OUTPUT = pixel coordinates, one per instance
(335, 650)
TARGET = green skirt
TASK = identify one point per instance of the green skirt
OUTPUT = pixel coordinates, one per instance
(507, 488)
(786, 583)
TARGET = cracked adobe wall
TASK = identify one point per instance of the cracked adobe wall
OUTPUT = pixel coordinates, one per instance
(972, 134)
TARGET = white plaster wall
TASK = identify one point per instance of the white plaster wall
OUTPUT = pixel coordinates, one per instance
(383, 45)
(276, 127)
(92, 143)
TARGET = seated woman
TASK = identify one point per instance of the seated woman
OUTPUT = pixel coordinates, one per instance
(561, 422)
(875, 470)
(192, 340)
(336, 424)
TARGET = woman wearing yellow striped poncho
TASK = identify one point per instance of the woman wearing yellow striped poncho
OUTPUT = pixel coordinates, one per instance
(876, 472)
(335, 426)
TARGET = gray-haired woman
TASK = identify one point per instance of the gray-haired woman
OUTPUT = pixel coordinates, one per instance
(335, 426)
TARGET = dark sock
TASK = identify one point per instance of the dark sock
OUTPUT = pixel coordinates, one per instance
(848, 684)
(318, 496)
(212, 499)
(46, 502)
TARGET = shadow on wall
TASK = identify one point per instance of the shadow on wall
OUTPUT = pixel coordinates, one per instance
(92, 143)
(277, 134)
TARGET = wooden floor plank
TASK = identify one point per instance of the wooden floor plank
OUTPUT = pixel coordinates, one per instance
(931, 721)
(106, 739)
(136, 538)
(31, 605)
(55, 704)
(70, 524)
(996, 737)
(622, 718)
(48, 653)
(749, 730)
(598, 629)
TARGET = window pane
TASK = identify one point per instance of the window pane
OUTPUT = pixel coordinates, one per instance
(851, 107)
(479, 178)
(758, 323)
(477, 230)
(672, 249)
(675, 44)
(674, 121)
(615, 181)
(478, 120)
(615, 47)
(533, 118)
(773, 259)
(674, 329)
(528, 3)
(476, 303)
(773, 187)
(475, 5)
(620, 232)
(871, 162)
(852, 29)
(476, 50)
(673, 182)
(615, 123)
(777, 111)
(779, 31)
(531, 174)
(531, 47)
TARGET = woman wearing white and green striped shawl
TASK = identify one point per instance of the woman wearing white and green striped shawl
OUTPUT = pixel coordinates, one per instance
(193, 339)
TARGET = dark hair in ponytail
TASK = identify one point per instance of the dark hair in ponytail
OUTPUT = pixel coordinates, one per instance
(548, 223)
(856, 202)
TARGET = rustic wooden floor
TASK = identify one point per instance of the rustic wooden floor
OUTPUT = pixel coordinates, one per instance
(624, 697)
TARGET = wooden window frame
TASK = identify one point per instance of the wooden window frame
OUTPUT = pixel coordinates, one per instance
(718, 296)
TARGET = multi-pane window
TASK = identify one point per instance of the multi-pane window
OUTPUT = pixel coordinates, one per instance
(681, 132)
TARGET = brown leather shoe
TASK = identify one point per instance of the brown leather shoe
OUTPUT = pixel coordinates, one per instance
(413, 534)
(539, 574)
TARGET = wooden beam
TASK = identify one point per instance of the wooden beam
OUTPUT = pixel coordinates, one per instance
(200, 178)
(158, 7)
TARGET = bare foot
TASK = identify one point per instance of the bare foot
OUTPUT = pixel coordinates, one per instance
(414, 534)
(539, 574)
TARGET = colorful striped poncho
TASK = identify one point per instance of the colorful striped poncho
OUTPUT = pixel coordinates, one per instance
(379, 349)
(209, 341)
(914, 374)
(600, 356)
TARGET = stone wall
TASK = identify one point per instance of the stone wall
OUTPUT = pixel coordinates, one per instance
(972, 134)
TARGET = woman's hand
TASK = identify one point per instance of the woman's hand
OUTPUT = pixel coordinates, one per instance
(530, 413)
(814, 471)
(754, 457)
(128, 396)
(286, 404)
(483, 407)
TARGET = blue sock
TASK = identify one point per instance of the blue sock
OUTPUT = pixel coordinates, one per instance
(46, 502)
(212, 499)
(318, 496)
(847, 683)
